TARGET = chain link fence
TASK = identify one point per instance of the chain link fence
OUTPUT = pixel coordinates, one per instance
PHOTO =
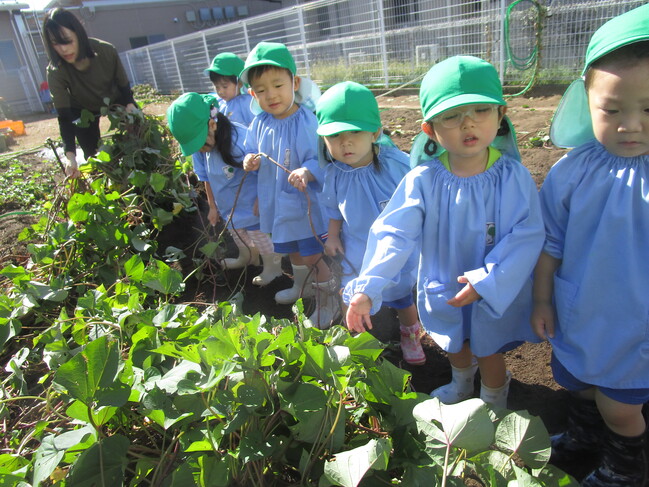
(389, 43)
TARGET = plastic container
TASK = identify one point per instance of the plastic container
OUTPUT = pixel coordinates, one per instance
(17, 126)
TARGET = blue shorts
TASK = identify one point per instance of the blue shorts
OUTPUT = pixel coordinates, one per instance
(570, 382)
(401, 303)
(253, 227)
(306, 246)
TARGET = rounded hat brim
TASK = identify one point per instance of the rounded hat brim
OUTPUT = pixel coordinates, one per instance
(334, 128)
(195, 144)
(461, 100)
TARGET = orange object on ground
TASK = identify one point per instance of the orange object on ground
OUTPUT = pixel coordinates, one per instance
(17, 126)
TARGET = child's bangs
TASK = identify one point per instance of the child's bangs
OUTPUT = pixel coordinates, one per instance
(256, 71)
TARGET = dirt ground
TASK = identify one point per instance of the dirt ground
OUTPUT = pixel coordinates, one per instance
(533, 387)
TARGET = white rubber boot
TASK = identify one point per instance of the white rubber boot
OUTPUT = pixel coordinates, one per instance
(272, 269)
(247, 256)
(327, 305)
(496, 397)
(301, 288)
(461, 386)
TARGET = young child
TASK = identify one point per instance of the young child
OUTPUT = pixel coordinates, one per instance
(362, 170)
(286, 132)
(224, 74)
(591, 284)
(217, 148)
(473, 216)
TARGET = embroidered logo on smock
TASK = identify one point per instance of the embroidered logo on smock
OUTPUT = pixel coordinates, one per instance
(491, 233)
(287, 158)
(228, 171)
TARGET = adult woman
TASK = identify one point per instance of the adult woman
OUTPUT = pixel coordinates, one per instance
(82, 73)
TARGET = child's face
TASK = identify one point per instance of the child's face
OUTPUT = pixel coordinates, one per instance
(226, 89)
(210, 141)
(465, 132)
(275, 91)
(353, 148)
(618, 98)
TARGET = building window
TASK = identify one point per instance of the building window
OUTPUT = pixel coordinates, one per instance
(8, 56)
(145, 40)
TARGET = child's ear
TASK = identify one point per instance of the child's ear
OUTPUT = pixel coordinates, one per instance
(296, 83)
(502, 112)
(427, 128)
(377, 134)
(251, 92)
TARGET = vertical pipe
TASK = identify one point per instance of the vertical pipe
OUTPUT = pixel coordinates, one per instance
(384, 50)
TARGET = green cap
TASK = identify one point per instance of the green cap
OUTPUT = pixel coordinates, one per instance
(457, 81)
(571, 124)
(269, 53)
(188, 116)
(347, 106)
(628, 28)
(226, 64)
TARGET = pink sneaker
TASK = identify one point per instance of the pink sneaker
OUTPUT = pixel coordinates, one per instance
(411, 344)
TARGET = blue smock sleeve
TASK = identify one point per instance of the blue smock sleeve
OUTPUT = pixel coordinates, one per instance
(306, 145)
(198, 160)
(509, 264)
(555, 201)
(393, 237)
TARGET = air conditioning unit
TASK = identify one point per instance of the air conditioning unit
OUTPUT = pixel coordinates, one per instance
(427, 55)
(358, 57)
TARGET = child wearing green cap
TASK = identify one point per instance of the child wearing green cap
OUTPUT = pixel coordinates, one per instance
(591, 284)
(216, 146)
(224, 74)
(285, 132)
(471, 213)
(362, 170)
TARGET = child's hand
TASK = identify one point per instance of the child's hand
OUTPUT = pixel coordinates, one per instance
(251, 162)
(333, 246)
(213, 216)
(467, 294)
(542, 320)
(300, 178)
(358, 313)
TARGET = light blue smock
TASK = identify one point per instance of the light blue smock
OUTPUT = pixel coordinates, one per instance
(357, 196)
(487, 227)
(238, 109)
(225, 181)
(291, 142)
(596, 211)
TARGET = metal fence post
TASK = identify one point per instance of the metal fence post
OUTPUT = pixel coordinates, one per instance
(130, 68)
(155, 82)
(300, 17)
(245, 36)
(207, 52)
(180, 77)
(384, 50)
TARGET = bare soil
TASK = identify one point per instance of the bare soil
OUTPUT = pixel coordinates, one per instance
(533, 387)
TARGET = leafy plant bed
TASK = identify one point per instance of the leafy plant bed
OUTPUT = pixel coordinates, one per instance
(166, 299)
